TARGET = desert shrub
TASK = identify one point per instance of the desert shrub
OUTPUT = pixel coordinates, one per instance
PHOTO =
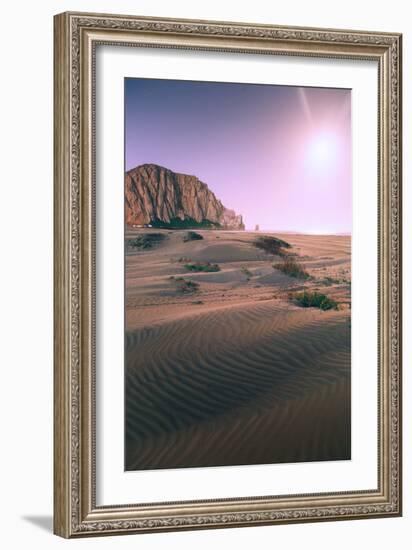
(148, 240)
(292, 267)
(272, 245)
(331, 281)
(185, 285)
(246, 272)
(186, 223)
(205, 267)
(192, 236)
(314, 299)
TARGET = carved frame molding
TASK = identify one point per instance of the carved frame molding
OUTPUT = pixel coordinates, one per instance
(76, 36)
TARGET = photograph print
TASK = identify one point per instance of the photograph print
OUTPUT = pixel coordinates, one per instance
(237, 244)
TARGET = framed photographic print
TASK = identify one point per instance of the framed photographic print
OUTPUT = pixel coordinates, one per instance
(227, 274)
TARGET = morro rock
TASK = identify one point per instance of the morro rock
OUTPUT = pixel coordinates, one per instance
(159, 197)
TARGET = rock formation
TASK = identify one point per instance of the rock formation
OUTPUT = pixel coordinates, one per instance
(159, 197)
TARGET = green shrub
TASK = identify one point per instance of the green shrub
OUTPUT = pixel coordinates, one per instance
(205, 267)
(292, 267)
(314, 299)
(147, 240)
(186, 223)
(192, 236)
(185, 285)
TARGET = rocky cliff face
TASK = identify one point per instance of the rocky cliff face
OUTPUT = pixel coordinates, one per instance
(157, 196)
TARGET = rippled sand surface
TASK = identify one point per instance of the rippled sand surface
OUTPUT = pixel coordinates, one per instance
(234, 372)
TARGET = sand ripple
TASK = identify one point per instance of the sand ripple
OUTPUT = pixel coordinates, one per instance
(246, 385)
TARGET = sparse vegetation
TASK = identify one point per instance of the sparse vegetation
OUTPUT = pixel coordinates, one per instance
(185, 285)
(292, 267)
(192, 236)
(147, 240)
(202, 267)
(272, 245)
(314, 299)
(247, 273)
(331, 281)
(186, 223)
(328, 281)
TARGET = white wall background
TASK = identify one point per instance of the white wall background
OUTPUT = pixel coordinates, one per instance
(26, 273)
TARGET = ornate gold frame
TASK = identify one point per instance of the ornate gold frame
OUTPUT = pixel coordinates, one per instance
(75, 38)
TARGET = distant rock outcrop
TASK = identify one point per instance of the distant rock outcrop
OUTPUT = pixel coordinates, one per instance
(159, 197)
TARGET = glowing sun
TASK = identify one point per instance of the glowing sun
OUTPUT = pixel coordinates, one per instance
(322, 150)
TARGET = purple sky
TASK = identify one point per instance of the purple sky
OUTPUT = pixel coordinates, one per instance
(278, 155)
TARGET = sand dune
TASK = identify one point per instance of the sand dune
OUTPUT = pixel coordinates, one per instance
(235, 373)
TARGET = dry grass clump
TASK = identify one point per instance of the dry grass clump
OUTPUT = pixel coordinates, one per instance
(292, 267)
(272, 245)
(185, 285)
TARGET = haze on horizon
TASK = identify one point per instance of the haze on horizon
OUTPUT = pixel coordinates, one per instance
(278, 155)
